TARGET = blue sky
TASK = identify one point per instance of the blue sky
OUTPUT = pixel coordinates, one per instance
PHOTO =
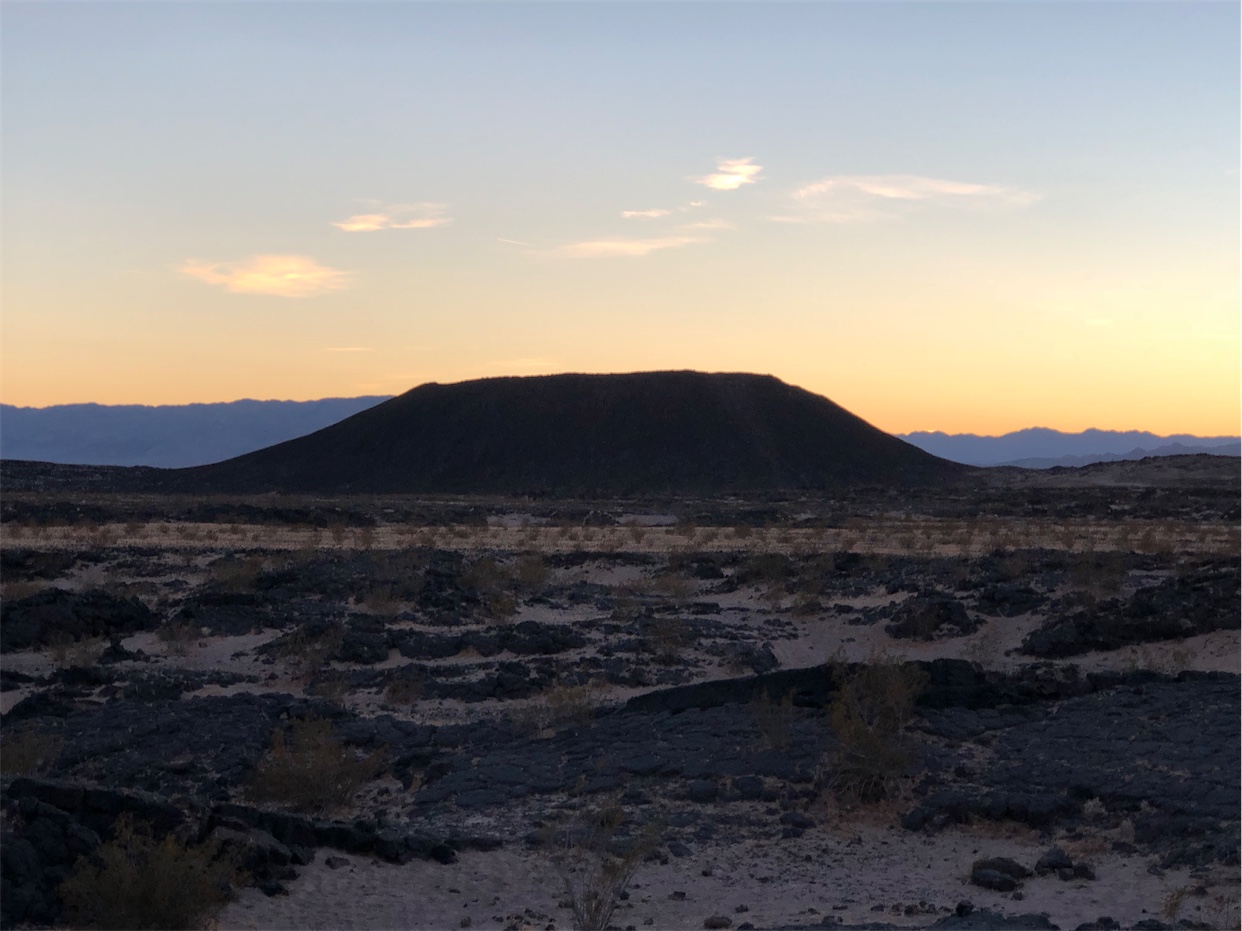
(959, 216)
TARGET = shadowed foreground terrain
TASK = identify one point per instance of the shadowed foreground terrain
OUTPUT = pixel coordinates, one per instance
(486, 679)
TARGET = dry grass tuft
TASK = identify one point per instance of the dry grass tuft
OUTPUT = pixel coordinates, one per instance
(595, 865)
(561, 706)
(873, 706)
(27, 751)
(774, 719)
(311, 770)
(134, 881)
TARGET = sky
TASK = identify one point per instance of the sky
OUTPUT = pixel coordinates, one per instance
(968, 217)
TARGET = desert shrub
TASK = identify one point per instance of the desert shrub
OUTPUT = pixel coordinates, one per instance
(773, 718)
(404, 690)
(531, 573)
(493, 584)
(12, 591)
(382, 600)
(178, 635)
(311, 770)
(230, 574)
(135, 881)
(666, 637)
(329, 684)
(560, 705)
(673, 585)
(500, 606)
(484, 575)
(594, 864)
(873, 705)
(26, 751)
(1102, 574)
(311, 646)
(766, 568)
(67, 652)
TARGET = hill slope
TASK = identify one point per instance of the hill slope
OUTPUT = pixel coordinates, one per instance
(650, 432)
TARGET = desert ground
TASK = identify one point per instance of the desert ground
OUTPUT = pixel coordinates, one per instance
(1010, 706)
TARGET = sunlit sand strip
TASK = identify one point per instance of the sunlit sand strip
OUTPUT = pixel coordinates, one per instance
(915, 537)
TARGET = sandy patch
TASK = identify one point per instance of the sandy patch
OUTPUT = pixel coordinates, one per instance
(871, 873)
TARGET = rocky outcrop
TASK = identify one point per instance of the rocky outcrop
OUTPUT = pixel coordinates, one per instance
(56, 615)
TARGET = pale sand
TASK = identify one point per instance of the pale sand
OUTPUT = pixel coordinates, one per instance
(846, 871)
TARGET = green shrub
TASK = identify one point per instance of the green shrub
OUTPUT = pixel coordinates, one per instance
(873, 705)
(135, 881)
(311, 770)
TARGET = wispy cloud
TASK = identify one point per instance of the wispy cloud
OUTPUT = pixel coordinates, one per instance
(611, 247)
(914, 187)
(854, 198)
(280, 275)
(397, 217)
(645, 214)
(514, 242)
(731, 174)
(716, 224)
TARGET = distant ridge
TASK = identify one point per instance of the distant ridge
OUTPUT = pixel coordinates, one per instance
(1041, 448)
(168, 436)
(652, 432)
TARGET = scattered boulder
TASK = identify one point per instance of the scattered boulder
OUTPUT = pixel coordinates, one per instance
(1052, 860)
(999, 873)
(55, 614)
(928, 617)
(983, 919)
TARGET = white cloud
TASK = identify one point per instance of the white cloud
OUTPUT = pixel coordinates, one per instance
(280, 275)
(731, 174)
(913, 187)
(859, 198)
(397, 217)
(646, 214)
(611, 247)
(716, 224)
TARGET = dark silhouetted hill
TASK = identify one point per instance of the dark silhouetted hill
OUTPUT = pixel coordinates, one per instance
(656, 432)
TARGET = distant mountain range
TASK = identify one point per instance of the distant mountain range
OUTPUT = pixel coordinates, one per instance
(170, 436)
(1041, 448)
(177, 436)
